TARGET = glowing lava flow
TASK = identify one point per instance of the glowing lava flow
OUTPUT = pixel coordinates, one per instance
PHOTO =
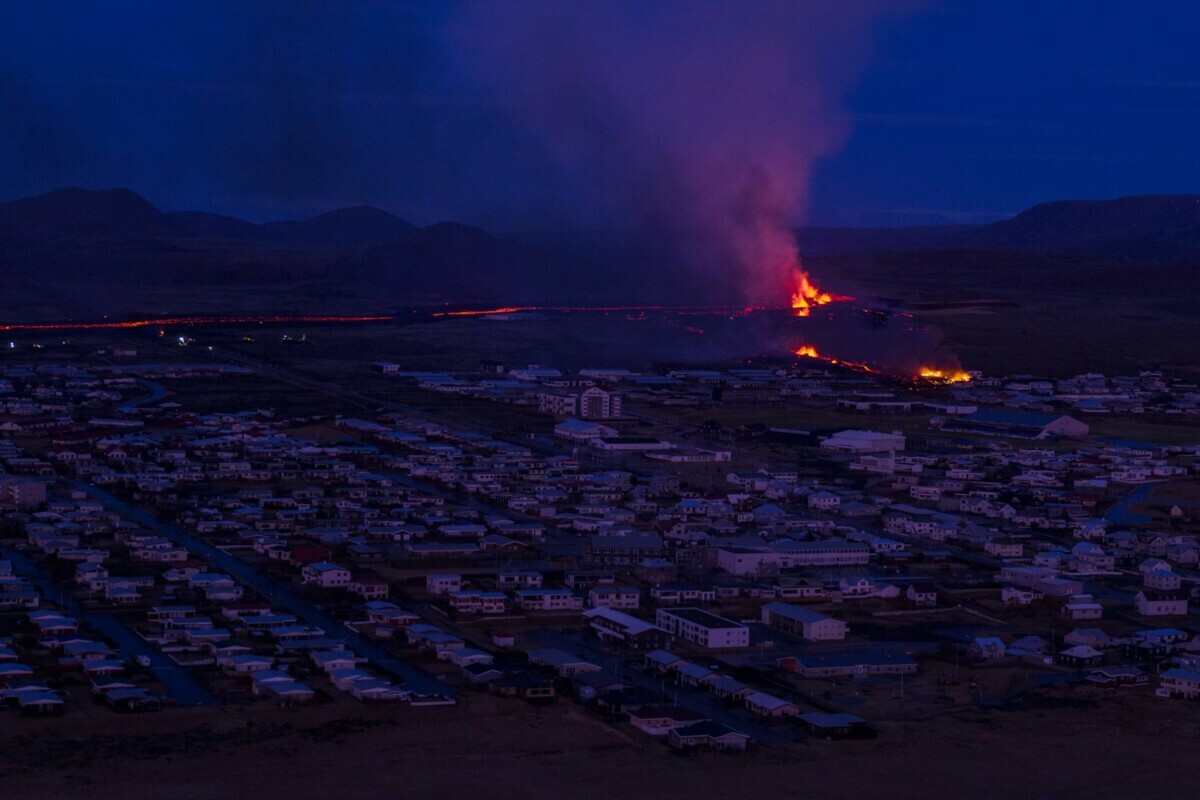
(808, 351)
(484, 312)
(944, 375)
(930, 374)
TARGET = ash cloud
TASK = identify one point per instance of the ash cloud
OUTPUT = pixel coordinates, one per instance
(696, 123)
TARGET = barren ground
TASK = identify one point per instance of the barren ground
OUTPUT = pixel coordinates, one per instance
(1125, 746)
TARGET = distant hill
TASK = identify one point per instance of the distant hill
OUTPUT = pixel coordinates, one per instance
(1145, 229)
(74, 213)
(103, 252)
(362, 226)
(123, 214)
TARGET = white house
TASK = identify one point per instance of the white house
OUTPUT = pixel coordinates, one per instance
(325, 574)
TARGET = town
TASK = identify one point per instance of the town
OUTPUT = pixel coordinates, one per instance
(651, 547)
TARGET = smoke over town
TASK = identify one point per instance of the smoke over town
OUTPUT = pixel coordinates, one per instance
(697, 124)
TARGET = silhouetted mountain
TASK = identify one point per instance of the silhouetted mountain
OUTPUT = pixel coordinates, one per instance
(123, 214)
(362, 226)
(76, 213)
(202, 225)
(106, 251)
(1147, 228)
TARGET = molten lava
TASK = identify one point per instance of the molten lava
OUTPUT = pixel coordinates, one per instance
(805, 294)
(944, 375)
(808, 351)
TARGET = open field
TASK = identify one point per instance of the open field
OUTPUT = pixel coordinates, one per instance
(511, 752)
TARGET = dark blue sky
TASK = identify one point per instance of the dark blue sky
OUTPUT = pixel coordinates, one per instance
(953, 111)
(981, 107)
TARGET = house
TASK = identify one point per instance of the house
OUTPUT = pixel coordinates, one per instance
(591, 685)
(1020, 596)
(465, 656)
(335, 659)
(519, 579)
(1151, 603)
(443, 583)
(548, 600)
(326, 575)
(1029, 645)
(561, 662)
(729, 689)
(617, 627)
(35, 701)
(620, 597)
(1081, 608)
(848, 663)
(803, 622)
(245, 663)
(1081, 655)
(689, 674)
(536, 689)
(133, 699)
(477, 601)
(1179, 682)
(1117, 676)
(658, 720)
(624, 549)
(1163, 580)
(920, 597)
(986, 648)
(660, 661)
(836, 726)
(1093, 637)
(770, 706)
(369, 587)
(482, 673)
(707, 734)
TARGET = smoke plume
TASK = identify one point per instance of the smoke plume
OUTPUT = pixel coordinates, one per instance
(699, 123)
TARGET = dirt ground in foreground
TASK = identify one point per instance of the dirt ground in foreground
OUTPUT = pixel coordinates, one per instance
(1124, 746)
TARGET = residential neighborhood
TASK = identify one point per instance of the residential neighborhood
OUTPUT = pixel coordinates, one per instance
(713, 588)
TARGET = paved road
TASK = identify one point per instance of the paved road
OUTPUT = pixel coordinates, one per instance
(157, 392)
(178, 682)
(698, 700)
(276, 593)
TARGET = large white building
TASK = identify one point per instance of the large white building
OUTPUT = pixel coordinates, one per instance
(596, 403)
(560, 405)
(705, 629)
(853, 441)
(787, 554)
(803, 622)
(578, 430)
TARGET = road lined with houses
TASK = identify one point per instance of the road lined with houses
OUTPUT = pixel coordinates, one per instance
(179, 683)
(414, 680)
